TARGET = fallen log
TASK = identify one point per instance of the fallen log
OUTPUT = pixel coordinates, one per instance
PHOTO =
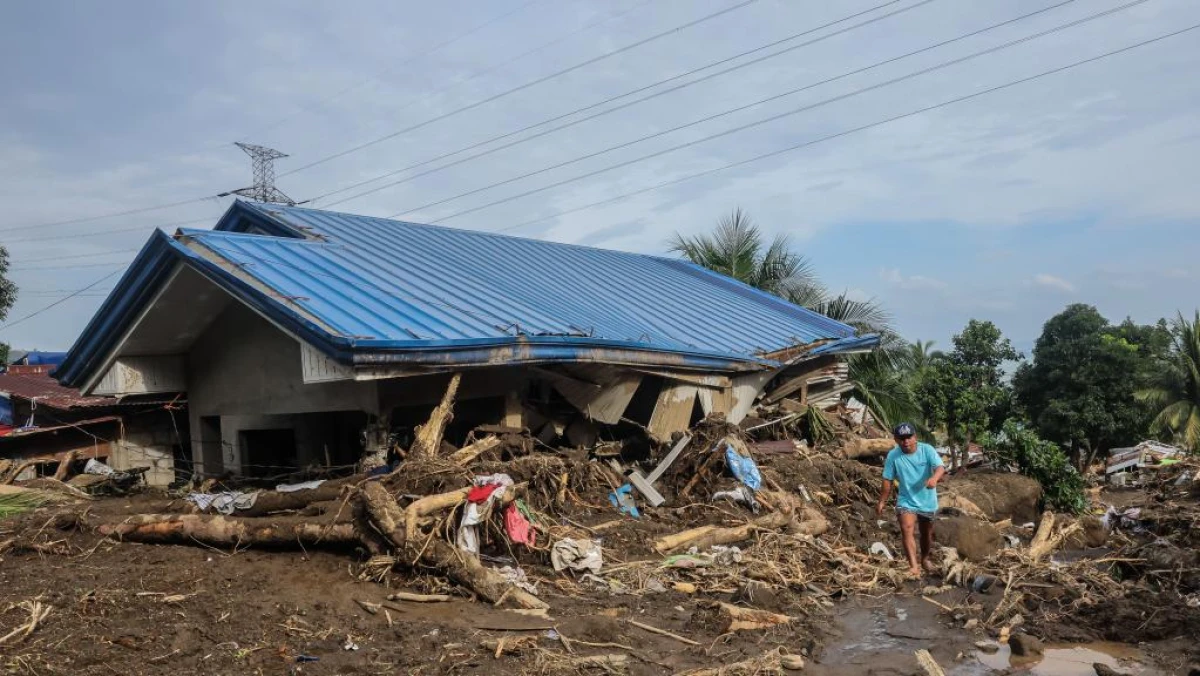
(737, 618)
(429, 436)
(224, 531)
(15, 472)
(928, 664)
(466, 454)
(707, 536)
(861, 449)
(64, 466)
(433, 552)
(1041, 546)
(767, 663)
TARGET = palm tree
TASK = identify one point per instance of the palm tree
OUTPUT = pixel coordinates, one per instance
(920, 353)
(1177, 395)
(737, 249)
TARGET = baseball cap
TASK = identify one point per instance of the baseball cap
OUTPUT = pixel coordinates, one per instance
(904, 430)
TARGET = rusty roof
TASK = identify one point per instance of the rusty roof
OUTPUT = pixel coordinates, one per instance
(40, 387)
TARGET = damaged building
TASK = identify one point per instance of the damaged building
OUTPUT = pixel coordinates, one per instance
(306, 338)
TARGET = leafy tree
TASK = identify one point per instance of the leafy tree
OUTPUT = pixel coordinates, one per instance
(8, 296)
(1176, 394)
(1080, 390)
(737, 249)
(964, 391)
(1019, 447)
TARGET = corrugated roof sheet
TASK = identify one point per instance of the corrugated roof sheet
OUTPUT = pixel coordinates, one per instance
(47, 392)
(398, 282)
(370, 291)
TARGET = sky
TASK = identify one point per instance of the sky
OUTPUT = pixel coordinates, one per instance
(1077, 186)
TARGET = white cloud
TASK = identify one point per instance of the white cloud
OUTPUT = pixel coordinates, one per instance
(1052, 282)
(898, 279)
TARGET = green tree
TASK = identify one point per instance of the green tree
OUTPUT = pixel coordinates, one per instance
(1175, 396)
(1080, 390)
(1020, 448)
(8, 296)
(737, 249)
(963, 391)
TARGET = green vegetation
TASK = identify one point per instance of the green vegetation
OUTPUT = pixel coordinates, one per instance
(1089, 386)
(1018, 447)
(12, 504)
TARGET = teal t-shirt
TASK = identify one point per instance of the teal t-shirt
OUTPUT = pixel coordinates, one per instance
(912, 471)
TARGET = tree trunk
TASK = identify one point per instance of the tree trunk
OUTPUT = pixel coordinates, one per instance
(707, 536)
(225, 531)
(433, 552)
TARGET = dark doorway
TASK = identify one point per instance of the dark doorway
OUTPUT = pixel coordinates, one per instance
(267, 453)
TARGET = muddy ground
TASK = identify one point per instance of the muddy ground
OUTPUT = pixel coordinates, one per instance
(130, 608)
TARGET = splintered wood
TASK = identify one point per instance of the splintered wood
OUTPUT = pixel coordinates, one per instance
(429, 435)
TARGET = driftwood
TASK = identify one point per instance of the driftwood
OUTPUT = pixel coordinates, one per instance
(433, 552)
(766, 663)
(707, 536)
(467, 454)
(64, 466)
(224, 531)
(429, 435)
(928, 664)
(859, 449)
(1045, 540)
(661, 632)
(14, 472)
(737, 618)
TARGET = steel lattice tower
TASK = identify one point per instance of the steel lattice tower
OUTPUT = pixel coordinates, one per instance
(264, 189)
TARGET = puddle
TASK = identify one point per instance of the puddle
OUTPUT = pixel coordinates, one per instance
(1068, 660)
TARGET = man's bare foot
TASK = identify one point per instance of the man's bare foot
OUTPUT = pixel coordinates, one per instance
(914, 573)
(929, 566)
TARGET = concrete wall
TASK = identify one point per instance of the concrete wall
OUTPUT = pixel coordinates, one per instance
(248, 372)
(149, 441)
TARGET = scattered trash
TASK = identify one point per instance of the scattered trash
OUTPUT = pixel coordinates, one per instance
(517, 524)
(223, 503)
(577, 555)
(349, 645)
(487, 490)
(743, 467)
(307, 658)
(880, 549)
(303, 486)
(719, 555)
(518, 578)
(622, 499)
(94, 466)
(741, 494)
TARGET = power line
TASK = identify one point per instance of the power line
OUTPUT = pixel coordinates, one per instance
(129, 212)
(411, 58)
(740, 128)
(527, 85)
(848, 132)
(60, 301)
(639, 90)
(98, 233)
(83, 255)
(792, 91)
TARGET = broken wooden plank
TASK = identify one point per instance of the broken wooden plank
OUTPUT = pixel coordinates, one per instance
(716, 401)
(746, 389)
(467, 454)
(601, 393)
(672, 412)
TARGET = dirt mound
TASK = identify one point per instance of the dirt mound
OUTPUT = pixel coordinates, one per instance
(1000, 495)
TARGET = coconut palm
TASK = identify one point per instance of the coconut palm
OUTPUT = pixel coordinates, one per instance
(1177, 396)
(737, 249)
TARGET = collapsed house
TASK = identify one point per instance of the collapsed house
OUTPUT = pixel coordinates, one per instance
(43, 423)
(311, 338)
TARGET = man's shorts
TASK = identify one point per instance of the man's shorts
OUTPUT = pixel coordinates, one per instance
(922, 517)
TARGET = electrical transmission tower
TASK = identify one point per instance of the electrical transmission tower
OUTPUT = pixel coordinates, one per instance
(264, 189)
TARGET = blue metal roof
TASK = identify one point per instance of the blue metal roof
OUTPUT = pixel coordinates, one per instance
(405, 291)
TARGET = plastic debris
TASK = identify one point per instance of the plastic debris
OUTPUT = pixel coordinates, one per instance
(880, 549)
(741, 494)
(302, 486)
(622, 499)
(518, 578)
(577, 555)
(743, 468)
(518, 526)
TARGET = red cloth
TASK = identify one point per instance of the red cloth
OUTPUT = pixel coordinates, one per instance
(517, 526)
(480, 494)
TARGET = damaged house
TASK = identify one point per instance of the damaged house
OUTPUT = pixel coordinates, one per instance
(43, 423)
(306, 338)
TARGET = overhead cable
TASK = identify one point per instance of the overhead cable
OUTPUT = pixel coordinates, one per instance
(797, 90)
(633, 92)
(522, 87)
(848, 132)
(739, 128)
(58, 302)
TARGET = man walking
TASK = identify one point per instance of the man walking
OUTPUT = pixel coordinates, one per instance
(917, 469)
